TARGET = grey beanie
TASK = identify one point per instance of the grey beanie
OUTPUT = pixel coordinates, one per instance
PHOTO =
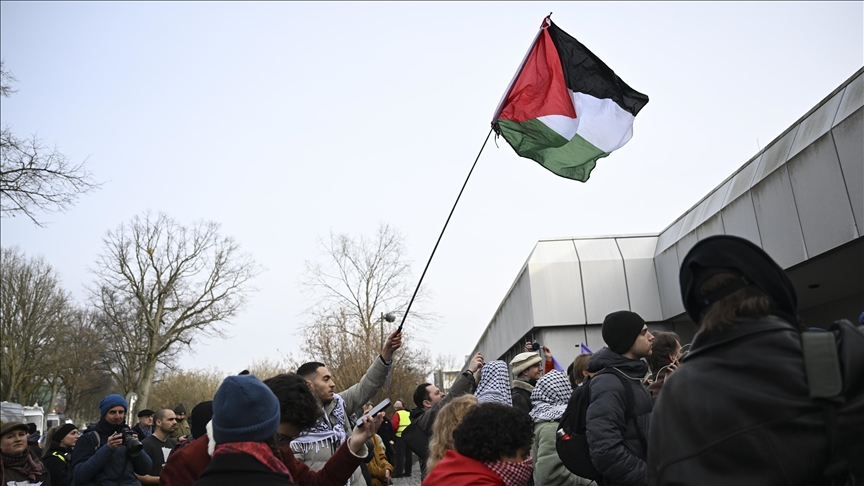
(244, 410)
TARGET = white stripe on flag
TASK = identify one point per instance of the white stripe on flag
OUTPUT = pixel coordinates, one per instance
(601, 122)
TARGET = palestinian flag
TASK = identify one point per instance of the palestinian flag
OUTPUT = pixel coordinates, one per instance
(565, 108)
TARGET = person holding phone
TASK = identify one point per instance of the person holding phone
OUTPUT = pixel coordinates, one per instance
(663, 360)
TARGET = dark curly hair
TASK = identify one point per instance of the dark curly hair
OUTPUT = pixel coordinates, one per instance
(297, 404)
(491, 431)
(664, 344)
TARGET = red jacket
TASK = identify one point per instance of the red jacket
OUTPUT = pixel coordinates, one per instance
(186, 463)
(457, 470)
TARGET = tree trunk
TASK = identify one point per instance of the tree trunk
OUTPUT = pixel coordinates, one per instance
(144, 383)
(55, 388)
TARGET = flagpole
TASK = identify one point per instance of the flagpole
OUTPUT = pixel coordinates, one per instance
(405, 315)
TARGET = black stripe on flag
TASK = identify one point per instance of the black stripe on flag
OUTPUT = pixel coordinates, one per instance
(586, 73)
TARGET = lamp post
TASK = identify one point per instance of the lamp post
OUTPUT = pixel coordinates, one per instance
(389, 317)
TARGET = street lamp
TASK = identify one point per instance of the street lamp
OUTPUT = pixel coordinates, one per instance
(389, 317)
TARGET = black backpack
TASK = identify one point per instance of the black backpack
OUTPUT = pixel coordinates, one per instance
(571, 441)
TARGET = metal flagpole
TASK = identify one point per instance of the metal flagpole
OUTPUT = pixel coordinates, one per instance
(405, 315)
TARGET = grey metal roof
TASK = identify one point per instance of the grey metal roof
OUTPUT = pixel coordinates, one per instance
(799, 197)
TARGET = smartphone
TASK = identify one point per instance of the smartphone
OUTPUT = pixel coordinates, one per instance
(377, 408)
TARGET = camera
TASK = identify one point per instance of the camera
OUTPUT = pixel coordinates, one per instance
(133, 445)
(535, 346)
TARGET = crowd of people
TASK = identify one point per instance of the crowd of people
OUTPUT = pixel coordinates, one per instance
(756, 399)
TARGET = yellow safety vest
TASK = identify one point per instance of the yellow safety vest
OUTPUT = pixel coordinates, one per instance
(404, 421)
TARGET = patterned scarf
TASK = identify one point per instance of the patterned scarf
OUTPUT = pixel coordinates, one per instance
(513, 473)
(23, 463)
(550, 397)
(323, 433)
(259, 450)
(494, 384)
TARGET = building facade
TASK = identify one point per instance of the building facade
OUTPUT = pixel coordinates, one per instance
(801, 199)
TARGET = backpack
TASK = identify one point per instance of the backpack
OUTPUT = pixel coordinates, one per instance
(571, 440)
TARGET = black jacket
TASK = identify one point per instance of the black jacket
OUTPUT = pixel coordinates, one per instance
(617, 451)
(737, 410)
(522, 395)
(237, 469)
(58, 462)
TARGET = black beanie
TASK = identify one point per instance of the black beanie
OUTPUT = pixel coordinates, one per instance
(731, 254)
(620, 330)
(62, 432)
(201, 414)
(180, 409)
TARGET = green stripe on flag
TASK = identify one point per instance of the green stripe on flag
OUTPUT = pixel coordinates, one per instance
(573, 159)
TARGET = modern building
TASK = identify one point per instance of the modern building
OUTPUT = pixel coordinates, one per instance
(801, 199)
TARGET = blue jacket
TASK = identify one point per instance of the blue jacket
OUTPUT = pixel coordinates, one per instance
(94, 463)
(613, 441)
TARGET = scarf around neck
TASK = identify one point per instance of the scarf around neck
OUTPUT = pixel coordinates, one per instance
(324, 433)
(258, 450)
(23, 463)
(550, 397)
(494, 384)
(513, 473)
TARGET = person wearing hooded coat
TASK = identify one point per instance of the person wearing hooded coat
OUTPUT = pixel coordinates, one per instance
(738, 409)
(550, 397)
(57, 457)
(95, 462)
(616, 441)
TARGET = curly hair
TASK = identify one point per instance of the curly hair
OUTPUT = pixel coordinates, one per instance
(448, 418)
(664, 344)
(297, 404)
(491, 431)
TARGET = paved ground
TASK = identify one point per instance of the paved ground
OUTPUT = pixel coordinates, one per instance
(414, 480)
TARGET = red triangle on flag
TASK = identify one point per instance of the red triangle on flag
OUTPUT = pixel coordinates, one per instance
(540, 89)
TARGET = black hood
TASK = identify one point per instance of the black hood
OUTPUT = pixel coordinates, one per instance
(606, 358)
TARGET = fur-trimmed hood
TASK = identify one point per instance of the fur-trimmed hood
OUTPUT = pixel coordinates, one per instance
(524, 385)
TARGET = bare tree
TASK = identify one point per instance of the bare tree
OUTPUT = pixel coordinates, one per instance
(83, 379)
(160, 286)
(35, 178)
(189, 387)
(33, 307)
(358, 281)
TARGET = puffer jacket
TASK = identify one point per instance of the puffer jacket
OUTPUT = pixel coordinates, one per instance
(738, 411)
(619, 457)
(94, 463)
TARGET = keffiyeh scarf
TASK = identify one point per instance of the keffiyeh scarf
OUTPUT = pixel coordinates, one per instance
(550, 397)
(323, 433)
(513, 473)
(494, 384)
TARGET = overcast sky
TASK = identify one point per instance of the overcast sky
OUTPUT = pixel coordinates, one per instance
(285, 121)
